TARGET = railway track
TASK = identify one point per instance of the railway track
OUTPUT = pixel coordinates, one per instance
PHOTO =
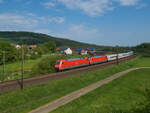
(16, 84)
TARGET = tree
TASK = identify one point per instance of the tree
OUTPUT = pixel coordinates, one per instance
(10, 51)
(143, 49)
(36, 53)
(50, 46)
(26, 52)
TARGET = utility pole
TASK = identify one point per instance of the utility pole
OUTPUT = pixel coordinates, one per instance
(22, 66)
(3, 78)
(117, 55)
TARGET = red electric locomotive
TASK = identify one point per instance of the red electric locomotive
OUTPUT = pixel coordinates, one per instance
(78, 62)
(71, 63)
(98, 59)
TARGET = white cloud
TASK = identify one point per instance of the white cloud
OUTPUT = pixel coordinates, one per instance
(128, 2)
(49, 4)
(29, 21)
(80, 33)
(56, 19)
(92, 7)
(14, 20)
(96, 7)
(50, 19)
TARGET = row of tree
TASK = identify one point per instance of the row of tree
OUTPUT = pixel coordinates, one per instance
(143, 49)
(11, 53)
(14, 54)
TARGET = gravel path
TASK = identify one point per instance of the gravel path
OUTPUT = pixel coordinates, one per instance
(76, 94)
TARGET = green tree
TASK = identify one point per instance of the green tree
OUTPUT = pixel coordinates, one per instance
(50, 46)
(10, 52)
(143, 49)
(26, 52)
(36, 53)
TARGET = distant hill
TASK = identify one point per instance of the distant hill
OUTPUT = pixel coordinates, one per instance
(31, 38)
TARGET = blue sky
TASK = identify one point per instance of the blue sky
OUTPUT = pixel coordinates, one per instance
(102, 22)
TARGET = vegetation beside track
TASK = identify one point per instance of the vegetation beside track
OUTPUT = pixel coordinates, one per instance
(33, 97)
(121, 95)
(12, 70)
(35, 67)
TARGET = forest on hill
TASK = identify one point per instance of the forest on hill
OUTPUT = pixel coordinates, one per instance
(31, 38)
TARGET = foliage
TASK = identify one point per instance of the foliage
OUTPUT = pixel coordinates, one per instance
(12, 69)
(36, 53)
(10, 52)
(46, 65)
(13, 54)
(143, 49)
(50, 46)
(26, 52)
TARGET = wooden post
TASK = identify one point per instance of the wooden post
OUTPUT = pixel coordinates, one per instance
(22, 67)
(3, 78)
(117, 55)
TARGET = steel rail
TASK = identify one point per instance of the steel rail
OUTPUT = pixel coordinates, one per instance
(32, 81)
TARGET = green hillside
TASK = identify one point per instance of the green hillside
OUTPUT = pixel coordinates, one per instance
(31, 38)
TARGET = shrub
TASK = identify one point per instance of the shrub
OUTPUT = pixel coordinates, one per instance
(46, 65)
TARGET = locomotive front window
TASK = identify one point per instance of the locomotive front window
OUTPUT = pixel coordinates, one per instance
(57, 62)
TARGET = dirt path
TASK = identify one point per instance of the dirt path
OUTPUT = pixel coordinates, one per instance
(76, 94)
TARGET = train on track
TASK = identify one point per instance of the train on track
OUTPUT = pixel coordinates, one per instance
(80, 62)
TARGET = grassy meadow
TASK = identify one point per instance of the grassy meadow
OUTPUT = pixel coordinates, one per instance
(13, 70)
(121, 94)
(33, 97)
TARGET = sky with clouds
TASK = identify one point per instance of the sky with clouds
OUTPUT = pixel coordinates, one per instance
(102, 22)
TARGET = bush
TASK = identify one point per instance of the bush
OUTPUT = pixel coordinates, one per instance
(46, 65)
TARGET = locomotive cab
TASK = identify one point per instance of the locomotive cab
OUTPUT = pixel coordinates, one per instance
(58, 65)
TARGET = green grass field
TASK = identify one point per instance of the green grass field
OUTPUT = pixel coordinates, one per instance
(33, 97)
(120, 94)
(12, 69)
